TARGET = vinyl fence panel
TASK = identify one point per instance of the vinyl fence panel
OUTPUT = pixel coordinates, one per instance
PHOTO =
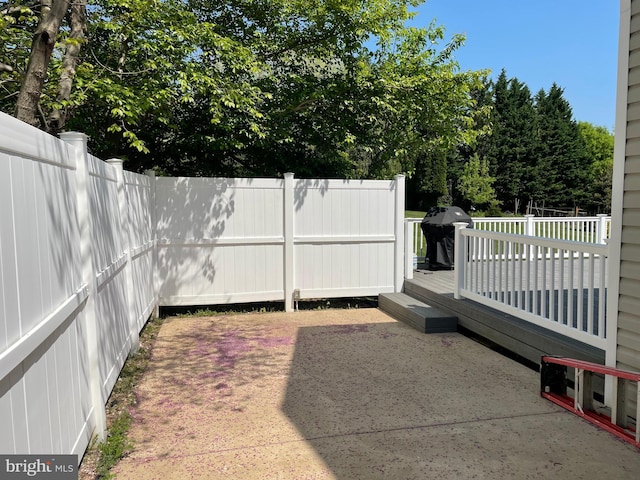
(45, 404)
(219, 240)
(141, 232)
(109, 260)
(246, 240)
(344, 237)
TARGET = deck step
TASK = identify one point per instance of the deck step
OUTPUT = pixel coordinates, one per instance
(417, 314)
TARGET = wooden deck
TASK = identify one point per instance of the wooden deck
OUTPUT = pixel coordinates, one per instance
(500, 330)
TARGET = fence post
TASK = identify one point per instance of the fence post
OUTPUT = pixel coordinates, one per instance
(79, 141)
(602, 228)
(409, 254)
(289, 261)
(155, 275)
(399, 248)
(459, 259)
(125, 225)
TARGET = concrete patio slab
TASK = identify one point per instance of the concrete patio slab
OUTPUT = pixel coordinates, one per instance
(350, 394)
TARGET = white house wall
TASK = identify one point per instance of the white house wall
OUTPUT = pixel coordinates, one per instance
(624, 316)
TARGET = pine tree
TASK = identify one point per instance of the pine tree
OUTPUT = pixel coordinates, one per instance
(511, 147)
(561, 171)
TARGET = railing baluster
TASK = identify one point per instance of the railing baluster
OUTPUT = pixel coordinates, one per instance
(590, 294)
(513, 274)
(527, 292)
(562, 304)
(571, 303)
(500, 271)
(602, 291)
(580, 289)
(552, 300)
(543, 293)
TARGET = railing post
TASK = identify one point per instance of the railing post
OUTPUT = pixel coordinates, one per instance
(409, 254)
(125, 225)
(460, 250)
(92, 342)
(289, 261)
(602, 228)
(529, 227)
(400, 246)
(155, 273)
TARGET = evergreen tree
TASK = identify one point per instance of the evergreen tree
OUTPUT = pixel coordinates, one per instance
(561, 170)
(510, 149)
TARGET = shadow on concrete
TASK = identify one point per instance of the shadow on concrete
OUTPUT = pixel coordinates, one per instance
(383, 401)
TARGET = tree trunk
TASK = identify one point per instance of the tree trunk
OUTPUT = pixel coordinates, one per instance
(78, 23)
(42, 46)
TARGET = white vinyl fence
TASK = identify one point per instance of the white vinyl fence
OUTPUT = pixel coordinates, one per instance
(76, 286)
(247, 240)
(88, 251)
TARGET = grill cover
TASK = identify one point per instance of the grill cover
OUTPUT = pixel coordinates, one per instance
(437, 227)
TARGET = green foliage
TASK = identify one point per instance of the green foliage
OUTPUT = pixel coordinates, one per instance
(476, 185)
(115, 446)
(537, 152)
(261, 88)
(414, 214)
(599, 144)
(562, 162)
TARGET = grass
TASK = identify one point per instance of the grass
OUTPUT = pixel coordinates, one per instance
(100, 458)
(413, 214)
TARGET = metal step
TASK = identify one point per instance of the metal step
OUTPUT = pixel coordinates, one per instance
(417, 314)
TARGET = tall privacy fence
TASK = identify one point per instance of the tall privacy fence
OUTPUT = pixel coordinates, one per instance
(88, 250)
(248, 240)
(76, 286)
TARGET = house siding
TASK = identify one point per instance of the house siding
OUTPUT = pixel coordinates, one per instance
(628, 319)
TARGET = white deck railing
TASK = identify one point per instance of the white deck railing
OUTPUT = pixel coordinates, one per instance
(556, 284)
(577, 229)
(550, 271)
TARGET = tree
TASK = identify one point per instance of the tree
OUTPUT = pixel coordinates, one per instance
(510, 149)
(326, 105)
(257, 88)
(476, 185)
(560, 174)
(599, 145)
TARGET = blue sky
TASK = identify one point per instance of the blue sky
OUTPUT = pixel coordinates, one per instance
(571, 42)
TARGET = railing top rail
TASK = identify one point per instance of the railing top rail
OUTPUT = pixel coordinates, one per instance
(567, 219)
(595, 248)
(499, 219)
(524, 219)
